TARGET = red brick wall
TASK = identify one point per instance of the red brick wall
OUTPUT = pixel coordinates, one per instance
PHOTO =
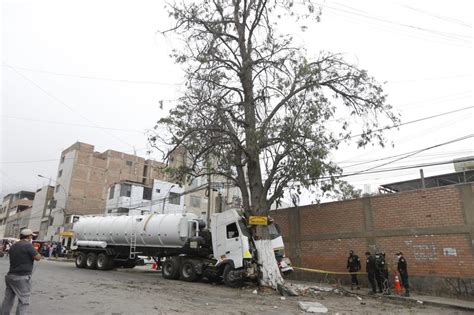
(422, 208)
(347, 216)
(431, 227)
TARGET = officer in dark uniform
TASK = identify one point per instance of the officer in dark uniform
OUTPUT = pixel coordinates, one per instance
(384, 273)
(403, 271)
(353, 265)
(379, 267)
(370, 268)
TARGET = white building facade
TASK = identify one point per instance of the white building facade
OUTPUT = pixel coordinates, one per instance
(131, 198)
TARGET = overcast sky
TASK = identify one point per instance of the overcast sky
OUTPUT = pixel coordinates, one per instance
(95, 71)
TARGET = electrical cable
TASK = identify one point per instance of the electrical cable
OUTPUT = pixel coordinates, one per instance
(67, 106)
(90, 77)
(414, 121)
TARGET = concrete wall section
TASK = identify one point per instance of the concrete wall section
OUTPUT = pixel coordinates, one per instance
(434, 228)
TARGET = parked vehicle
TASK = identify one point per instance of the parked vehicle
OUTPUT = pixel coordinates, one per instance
(181, 243)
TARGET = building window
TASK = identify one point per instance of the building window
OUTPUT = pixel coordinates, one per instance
(125, 190)
(158, 190)
(147, 193)
(129, 163)
(60, 173)
(174, 198)
(111, 192)
(195, 202)
(57, 188)
(62, 159)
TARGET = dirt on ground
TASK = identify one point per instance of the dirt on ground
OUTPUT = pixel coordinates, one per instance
(59, 287)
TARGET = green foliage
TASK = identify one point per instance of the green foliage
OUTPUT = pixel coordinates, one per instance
(257, 106)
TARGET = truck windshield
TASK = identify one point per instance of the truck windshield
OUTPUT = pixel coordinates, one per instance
(243, 228)
(274, 230)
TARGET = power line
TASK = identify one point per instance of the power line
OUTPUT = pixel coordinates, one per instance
(70, 124)
(66, 105)
(90, 77)
(406, 155)
(393, 28)
(414, 121)
(438, 16)
(398, 155)
(55, 160)
(399, 168)
(431, 79)
(441, 34)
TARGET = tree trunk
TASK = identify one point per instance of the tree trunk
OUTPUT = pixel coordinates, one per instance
(269, 272)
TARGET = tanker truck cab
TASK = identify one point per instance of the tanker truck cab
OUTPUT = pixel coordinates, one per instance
(230, 239)
(232, 248)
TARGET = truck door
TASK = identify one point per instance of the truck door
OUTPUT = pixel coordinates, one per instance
(229, 243)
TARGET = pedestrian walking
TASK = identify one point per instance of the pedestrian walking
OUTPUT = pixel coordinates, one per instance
(353, 265)
(370, 268)
(403, 271)
(18, 279)
(52, 248)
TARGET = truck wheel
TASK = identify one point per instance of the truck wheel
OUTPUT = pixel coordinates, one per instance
(104, 262)
(81, 260)
(170, 269)
(232, 277)
(91, 261)
(188, 272)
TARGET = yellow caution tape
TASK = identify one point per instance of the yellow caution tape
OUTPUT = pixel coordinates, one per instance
(330, 272)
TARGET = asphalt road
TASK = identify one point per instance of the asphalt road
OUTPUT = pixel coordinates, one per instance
(61, 288)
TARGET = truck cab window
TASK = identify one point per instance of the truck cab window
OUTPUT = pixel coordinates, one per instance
(232, 230)
(274, 230)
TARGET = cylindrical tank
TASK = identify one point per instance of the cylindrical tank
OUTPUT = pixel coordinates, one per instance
(154, 230)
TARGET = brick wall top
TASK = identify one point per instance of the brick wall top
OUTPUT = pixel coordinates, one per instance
(416, 209)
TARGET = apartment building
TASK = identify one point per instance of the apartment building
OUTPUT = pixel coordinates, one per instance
(15, 213)
(129, 198)
(84, 177)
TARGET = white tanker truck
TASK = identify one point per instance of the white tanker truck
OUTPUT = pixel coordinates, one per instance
(181, 242)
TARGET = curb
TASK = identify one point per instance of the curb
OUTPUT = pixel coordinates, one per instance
(432, 303)
(59, 260)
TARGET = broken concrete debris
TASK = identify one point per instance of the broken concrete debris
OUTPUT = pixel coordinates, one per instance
(312, 307)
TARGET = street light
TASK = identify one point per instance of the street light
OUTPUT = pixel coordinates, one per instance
(50, 180)
(164, 200)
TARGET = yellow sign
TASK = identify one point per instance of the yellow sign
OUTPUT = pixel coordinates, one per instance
(258, 220)
(67, 234)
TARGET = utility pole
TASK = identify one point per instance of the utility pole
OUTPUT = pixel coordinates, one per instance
(422, 175)
(164, 200)
(209, 193)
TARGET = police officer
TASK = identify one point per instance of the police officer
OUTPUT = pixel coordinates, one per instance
(370, 268)
(353, 265)
(403, 271)
(384, 273)
(379, 271)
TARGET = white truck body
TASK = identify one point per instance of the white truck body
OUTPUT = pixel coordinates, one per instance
(154, 230)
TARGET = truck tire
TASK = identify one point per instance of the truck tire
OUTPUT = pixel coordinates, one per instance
(91, 261)
(187, 271)
(170, 269)
(104, 262)
(232, 278)
(81, 260)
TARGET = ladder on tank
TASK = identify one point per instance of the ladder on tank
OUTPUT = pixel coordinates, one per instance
(133, 241)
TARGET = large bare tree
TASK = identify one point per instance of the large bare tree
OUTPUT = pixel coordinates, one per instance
(256, 109)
